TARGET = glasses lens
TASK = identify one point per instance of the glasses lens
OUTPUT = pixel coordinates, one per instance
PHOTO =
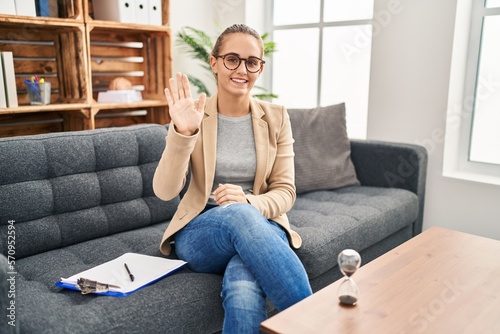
(231, 61)
(253, 64)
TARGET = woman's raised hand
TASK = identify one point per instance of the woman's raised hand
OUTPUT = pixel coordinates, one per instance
(185, 115)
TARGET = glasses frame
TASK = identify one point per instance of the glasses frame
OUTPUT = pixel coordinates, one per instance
(262, 62)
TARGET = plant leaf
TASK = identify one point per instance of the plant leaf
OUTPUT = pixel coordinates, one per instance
(199, 85)
(196, 43)
(265, 97)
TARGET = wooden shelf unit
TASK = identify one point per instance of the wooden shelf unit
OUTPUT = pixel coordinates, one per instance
(80, 56)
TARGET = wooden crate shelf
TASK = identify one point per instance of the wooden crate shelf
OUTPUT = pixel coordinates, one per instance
(30, 123)
(141, 58)
(56, 54)
(79, 56)
(59, 107)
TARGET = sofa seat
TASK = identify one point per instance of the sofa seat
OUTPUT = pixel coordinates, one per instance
(355, 217)
(192, 296)
(352, 217)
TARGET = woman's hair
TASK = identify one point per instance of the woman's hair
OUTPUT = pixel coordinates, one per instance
(236, 28)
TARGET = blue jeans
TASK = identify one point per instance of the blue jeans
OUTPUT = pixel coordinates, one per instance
(253, 254)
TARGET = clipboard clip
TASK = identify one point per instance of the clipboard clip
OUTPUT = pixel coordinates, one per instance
(88, 286)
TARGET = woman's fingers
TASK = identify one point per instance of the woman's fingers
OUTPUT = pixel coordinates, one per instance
(185, 86)
(201, 102)
(172, 91)
(229, 193)
(185, 114)
(180, 86)
(180, 91)
(170, 101)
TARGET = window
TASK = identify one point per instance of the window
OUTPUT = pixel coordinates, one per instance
(485, 129)
(323, 56)
(472, 142)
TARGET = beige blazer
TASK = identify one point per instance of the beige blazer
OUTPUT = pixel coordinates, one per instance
(273, 191)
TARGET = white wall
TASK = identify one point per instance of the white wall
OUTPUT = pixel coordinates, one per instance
(409, 83)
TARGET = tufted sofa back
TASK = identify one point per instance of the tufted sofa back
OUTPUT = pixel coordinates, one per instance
(64, 188)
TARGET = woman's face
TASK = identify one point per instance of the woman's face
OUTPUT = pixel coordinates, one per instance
(238, 81)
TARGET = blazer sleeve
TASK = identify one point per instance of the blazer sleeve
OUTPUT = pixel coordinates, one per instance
(171, 172)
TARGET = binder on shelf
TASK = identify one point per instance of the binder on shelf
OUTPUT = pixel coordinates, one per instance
(113, 278)
(8, 7)
(114, 10)
(155, 12)
(128, 11)
(9, 79)
(3, 100)
(25, 7)
(141, 11)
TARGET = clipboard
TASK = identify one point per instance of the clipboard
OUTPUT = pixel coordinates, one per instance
(113, 279)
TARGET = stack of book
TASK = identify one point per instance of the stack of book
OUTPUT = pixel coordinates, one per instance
(8, 89)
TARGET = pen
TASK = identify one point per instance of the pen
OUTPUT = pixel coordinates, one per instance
(129, 273)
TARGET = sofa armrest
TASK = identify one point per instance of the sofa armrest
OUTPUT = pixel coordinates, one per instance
(392, 165)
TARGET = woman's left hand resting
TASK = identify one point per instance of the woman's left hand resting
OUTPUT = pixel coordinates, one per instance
(229, 193)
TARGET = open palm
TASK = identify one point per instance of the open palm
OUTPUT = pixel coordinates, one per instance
(184, 113)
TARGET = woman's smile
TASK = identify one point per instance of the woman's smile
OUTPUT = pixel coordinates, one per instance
(239, 81)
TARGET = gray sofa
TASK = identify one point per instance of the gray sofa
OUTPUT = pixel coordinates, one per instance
(70, 201)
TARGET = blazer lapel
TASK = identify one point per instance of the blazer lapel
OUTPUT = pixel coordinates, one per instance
(209, 133)
(261, 134)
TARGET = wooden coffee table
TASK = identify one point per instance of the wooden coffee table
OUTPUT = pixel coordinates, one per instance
(440, 281)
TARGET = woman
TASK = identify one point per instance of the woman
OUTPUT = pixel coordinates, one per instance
(232, 218)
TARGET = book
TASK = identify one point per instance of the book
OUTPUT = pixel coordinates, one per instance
(141, 12)
(3, 99)
(54, 8)
(145, 269)
(155, 12)
(119, 96)
(8, 7)
(9, 79)
(114, 10)
(42, 7)
(25, 7)
(48, 8)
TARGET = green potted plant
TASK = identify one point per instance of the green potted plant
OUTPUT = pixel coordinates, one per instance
(198, 45)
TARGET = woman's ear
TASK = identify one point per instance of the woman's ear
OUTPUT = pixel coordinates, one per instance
(213, 64)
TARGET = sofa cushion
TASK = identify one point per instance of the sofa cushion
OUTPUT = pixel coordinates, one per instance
(354, 217)
(322, 149)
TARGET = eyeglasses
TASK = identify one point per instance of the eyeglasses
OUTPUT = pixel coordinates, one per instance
(233, 60)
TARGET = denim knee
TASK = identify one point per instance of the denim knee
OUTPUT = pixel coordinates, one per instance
(242, 210)
(247, 217)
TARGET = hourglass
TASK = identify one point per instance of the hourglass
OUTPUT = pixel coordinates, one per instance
(349, 261)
